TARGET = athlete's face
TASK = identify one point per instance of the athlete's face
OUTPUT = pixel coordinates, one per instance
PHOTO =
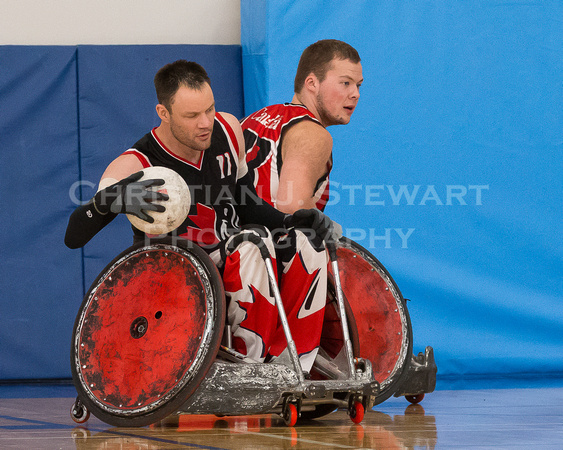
(339, 92)
(192, 115)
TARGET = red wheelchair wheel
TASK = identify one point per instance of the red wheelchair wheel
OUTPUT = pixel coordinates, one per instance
(147, 332)
(379, 314)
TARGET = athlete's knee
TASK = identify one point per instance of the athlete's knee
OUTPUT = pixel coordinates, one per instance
(304, 242)
(255, 238)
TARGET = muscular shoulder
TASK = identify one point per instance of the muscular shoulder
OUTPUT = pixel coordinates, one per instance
(307, 139)
(120, 168)
(233, 122)
(230, 119)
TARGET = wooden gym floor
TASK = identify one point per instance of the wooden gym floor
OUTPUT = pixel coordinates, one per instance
(497, 416)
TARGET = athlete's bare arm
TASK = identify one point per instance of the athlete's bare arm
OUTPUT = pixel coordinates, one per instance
(120, 168)
(306, 152)
(235, 125)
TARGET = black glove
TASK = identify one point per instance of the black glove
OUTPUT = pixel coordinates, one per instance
(315, 220)
(131, 196)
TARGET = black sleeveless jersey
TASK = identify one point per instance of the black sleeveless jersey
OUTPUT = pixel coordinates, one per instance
(212, 182)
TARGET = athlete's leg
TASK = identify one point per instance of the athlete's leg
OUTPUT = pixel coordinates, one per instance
(252, 312)
(303, 291)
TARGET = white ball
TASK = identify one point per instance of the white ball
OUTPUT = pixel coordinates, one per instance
(177, 206)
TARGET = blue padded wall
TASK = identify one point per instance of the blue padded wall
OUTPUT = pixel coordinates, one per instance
(41, 280)
(66, 112)
(451, 169)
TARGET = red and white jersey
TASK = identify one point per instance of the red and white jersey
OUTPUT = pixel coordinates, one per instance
(263, 135)
(212, 182)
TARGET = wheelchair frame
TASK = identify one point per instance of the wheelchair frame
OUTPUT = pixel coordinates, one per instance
(247, 388)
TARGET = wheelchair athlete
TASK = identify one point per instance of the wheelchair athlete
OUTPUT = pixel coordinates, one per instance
(207, 149)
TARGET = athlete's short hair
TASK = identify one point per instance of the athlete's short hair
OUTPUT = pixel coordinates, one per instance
(317, 57)
(179, 73)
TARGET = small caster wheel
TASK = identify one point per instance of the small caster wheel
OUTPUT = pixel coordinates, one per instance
(414, 399)
(290, 414)
(79, 413)
(357, 412)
